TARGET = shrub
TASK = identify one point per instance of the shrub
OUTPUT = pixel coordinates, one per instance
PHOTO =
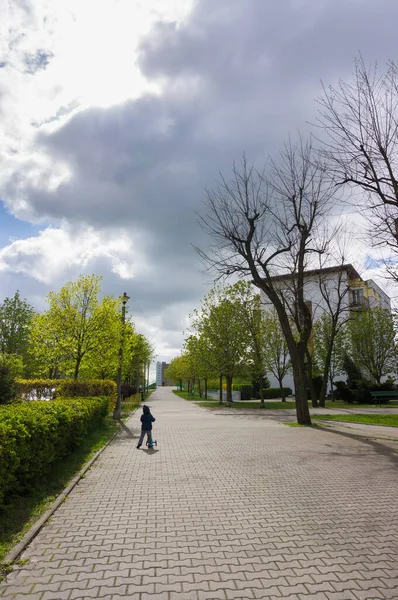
(271, 393)
(7, 384)
(256, 386)
(343, 392)
(48, 389)
(69, 388)
(35, 434)
(245, 389)
(32, 389)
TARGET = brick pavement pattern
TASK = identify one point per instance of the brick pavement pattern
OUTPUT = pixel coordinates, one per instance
(227, 507)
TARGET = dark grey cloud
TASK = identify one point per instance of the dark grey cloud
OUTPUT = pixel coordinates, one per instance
(236, 76)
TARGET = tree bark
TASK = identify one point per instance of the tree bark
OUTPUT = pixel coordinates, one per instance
(313, 394)
(282, 389)
(229, 389)
(299, 375)
(331, 389)
(221, 379)
(322, 397)
(262, 403)
(77, 367)
(205, 379)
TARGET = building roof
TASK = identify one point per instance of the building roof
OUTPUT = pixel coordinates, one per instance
(351, 272)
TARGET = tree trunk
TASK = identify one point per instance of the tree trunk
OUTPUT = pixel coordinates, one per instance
(205, 380)
(331, 389)
(262, 404)
(299, 376)
(77, 367)
(199, 388)
(282, 389)
(180, 385)
(221, 378)
(229, 389)
(322, 396)
(313, 394)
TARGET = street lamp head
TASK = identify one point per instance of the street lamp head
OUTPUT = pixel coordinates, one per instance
(125, 298)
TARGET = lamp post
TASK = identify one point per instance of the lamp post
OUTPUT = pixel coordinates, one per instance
(116, 412)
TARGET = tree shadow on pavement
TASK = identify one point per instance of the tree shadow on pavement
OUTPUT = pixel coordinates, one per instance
(126, 430)
(390, 452)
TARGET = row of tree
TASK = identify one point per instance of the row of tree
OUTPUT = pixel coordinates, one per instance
(283, 218)
(79, 335)
(231, 335)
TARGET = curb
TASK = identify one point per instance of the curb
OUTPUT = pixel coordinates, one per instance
(35, 529)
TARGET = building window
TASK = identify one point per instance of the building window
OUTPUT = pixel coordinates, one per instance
(357, 296)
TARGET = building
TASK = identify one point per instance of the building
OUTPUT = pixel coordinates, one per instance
(323, 286)
(161, 367)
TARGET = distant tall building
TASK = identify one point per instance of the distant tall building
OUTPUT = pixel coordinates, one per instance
(160, 374)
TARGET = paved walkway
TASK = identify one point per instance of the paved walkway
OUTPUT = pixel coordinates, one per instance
(225, 508)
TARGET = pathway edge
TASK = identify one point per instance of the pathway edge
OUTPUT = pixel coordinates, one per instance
(36, 528)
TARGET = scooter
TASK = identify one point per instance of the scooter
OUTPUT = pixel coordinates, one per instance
(151, 444)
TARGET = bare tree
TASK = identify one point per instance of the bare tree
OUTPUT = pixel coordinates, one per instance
(360, 119)
(262, 226)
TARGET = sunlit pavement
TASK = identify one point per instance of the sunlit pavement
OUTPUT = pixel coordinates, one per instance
(227, 506)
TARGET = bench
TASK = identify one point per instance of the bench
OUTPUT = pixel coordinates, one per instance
(377, 396)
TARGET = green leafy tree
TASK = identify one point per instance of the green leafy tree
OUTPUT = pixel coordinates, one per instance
(179, 370)
(46, 358)
(75, 324)
(220, 322)
(253, 320)
(276, 350)
(139, 353)
(330, 347)
(373, 343)
(16, 316)
(104, 362)
(198, 353)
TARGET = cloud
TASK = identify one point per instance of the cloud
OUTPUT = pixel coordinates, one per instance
(120, 180)
(55, 252)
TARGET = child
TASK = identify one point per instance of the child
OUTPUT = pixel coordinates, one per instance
(146, 426)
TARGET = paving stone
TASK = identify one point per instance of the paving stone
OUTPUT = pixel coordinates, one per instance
(244, 509)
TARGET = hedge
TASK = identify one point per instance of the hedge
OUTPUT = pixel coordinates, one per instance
(35, 434)
(270, 393)
(30, 389)
(245, 389)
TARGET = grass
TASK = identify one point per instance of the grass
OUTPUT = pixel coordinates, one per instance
(385, 420)
(339, 404)
(187, 396)
(22, 512)
(249, 404)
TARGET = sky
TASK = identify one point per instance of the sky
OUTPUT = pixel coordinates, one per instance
(116, 115)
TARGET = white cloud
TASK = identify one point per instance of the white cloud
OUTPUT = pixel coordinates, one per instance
(55, 252)
(59, 58)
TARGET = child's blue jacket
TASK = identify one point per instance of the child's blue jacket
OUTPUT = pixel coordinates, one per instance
(146, 422)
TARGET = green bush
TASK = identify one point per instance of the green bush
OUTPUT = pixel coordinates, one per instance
(29, 389)
(7, 384)
(35, 434)
(270, 393)
(245, 389)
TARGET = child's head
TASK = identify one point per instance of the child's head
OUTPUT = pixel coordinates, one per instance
(146, 410)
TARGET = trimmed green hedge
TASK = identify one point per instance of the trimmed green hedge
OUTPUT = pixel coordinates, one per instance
(33, 435)
(270, 393)
(65, 388)
(245, 389)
